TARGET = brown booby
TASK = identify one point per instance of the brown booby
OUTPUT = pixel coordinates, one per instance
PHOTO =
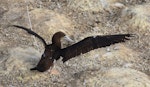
(54, 52)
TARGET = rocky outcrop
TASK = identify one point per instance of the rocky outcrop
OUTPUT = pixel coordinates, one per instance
(121, 65)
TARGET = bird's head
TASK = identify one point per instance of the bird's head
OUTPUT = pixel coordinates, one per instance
(56, 39)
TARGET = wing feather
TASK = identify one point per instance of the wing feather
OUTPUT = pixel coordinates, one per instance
(31, 32)
(91, 43)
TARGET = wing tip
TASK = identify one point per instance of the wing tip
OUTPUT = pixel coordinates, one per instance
(15, 26)
(131, 35)
(127, 36)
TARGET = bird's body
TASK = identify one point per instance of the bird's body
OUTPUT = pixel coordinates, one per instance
(53, 51)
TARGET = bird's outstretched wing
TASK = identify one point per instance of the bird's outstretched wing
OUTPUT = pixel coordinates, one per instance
(32, 33)
(91, 43)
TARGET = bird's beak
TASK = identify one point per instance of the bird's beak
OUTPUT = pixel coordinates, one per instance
(68, 39)
(33, 68)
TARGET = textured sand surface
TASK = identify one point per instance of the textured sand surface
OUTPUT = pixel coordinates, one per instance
(120, 65)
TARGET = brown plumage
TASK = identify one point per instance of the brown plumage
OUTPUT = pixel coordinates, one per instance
(53, 51)
(46, 60)
(91, 43)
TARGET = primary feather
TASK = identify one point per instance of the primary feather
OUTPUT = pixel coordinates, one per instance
(32, 33)
(91, 43)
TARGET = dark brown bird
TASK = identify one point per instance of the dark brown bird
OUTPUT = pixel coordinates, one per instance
(50, 51)
(53, 51)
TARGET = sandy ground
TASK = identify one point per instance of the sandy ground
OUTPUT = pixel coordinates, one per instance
(120, 65)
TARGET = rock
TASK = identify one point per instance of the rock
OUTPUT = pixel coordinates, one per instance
(79, 18)
(50, 22)
(138, 16)
(2, 11)
(54, 21)
(21, 59)
(120, 56)
(114, 77)
(14, 14)
(85, 5)
(95, 5)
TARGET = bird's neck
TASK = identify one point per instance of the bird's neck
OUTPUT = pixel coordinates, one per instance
(57, 43)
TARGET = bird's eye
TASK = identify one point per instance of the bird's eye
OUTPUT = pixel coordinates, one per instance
(43, 55)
